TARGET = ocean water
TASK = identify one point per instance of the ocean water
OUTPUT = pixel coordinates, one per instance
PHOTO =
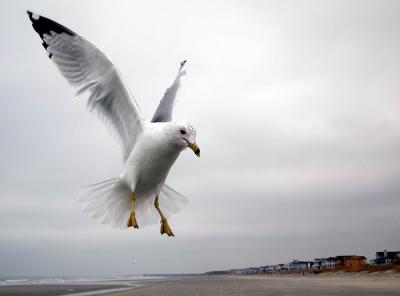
(129, 280)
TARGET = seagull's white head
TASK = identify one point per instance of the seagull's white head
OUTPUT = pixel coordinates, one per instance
(185, 136)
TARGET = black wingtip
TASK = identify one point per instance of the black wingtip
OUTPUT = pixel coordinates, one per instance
(33, 17)
(43, 25)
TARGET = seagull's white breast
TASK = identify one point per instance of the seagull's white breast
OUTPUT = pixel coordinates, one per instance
(150, 160)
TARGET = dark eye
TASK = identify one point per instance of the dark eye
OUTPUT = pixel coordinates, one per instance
(183, 132)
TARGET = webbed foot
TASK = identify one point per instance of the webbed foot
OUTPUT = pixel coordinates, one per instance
(132, 221)
(165, 228)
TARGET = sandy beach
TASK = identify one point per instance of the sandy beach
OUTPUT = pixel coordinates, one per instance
(271, 285)
(327, 284)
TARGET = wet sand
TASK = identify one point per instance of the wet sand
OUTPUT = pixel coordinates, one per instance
(52, 290)
(270, 285)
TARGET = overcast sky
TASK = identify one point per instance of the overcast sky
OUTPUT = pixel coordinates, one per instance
(296, 105)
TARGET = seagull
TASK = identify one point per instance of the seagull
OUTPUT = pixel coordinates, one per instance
(149, 148)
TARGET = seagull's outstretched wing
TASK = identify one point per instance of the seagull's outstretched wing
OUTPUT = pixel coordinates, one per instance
(164, 110)
(88, 69)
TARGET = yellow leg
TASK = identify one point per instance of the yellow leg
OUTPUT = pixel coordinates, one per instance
(132, 218)
(164, 223)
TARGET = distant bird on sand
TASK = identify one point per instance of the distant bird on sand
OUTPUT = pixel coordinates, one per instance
(139, 194)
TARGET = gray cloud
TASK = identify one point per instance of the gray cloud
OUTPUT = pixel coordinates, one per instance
(296, 107)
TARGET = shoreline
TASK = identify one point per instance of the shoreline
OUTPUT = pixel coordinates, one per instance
(249, 285)
(340, 283)
(64, 289)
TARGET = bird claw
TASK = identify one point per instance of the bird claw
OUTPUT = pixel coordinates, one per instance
(132, 221)
(165, 228)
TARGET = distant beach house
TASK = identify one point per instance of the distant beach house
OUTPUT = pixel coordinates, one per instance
(350, 261)
(324, 263)
(250, 270)
(387, 257)
(299, 265)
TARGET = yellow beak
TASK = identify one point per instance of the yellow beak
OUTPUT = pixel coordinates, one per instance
(195, 148)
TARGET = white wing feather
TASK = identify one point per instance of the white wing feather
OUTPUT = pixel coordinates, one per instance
(166, 106)
(88, 69)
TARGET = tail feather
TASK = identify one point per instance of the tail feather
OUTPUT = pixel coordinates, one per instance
(109, 202)
(172, 200)
(109, 181)
(114, 215)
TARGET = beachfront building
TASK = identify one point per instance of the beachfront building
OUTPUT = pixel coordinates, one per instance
(299, 265)
(263, 269)
(324, 263)
(272, 268)
(350, 261)
(280, 267)
(250, 270)
(387, 257)
(267, 268)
